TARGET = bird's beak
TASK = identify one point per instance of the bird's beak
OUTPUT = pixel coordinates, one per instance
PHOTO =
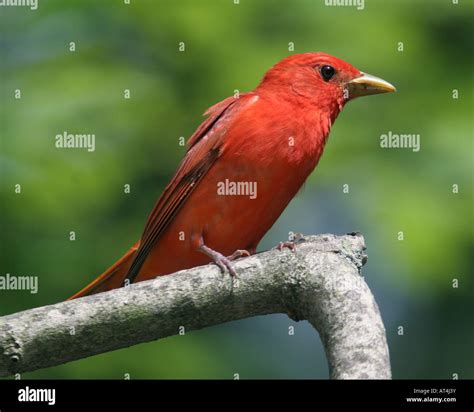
(366, 84)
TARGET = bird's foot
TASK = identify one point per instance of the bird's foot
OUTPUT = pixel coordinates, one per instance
(220, 260)
(293, 240)
(238, 254)
(287, 244)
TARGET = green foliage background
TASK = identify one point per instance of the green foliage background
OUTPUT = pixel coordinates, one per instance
(229, 47)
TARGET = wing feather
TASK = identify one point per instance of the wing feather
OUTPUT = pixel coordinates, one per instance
(204, 147)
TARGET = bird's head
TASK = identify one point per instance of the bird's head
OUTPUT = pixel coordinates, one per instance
(323, 79)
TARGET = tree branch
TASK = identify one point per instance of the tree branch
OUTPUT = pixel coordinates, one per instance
(321, 283)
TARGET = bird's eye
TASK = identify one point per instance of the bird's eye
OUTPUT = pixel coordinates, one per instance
(327, 72)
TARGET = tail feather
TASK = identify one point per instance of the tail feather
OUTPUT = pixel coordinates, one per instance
(112, 278)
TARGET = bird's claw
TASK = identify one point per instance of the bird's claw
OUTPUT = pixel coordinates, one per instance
(231, 270)
(225, 263)
(238, 254)
(287, 244)
(220, 260)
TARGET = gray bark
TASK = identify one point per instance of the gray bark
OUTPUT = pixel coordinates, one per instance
(320, 282)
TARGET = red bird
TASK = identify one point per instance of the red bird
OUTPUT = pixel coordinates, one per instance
(243, 165)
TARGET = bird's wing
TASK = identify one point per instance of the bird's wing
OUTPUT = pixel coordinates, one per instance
(204, 147)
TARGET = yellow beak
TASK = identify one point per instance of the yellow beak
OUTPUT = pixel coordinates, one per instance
(367, 84)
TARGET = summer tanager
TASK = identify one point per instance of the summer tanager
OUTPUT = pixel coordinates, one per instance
(268, 140)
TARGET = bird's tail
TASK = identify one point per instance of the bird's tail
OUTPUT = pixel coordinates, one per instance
(112, 278)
